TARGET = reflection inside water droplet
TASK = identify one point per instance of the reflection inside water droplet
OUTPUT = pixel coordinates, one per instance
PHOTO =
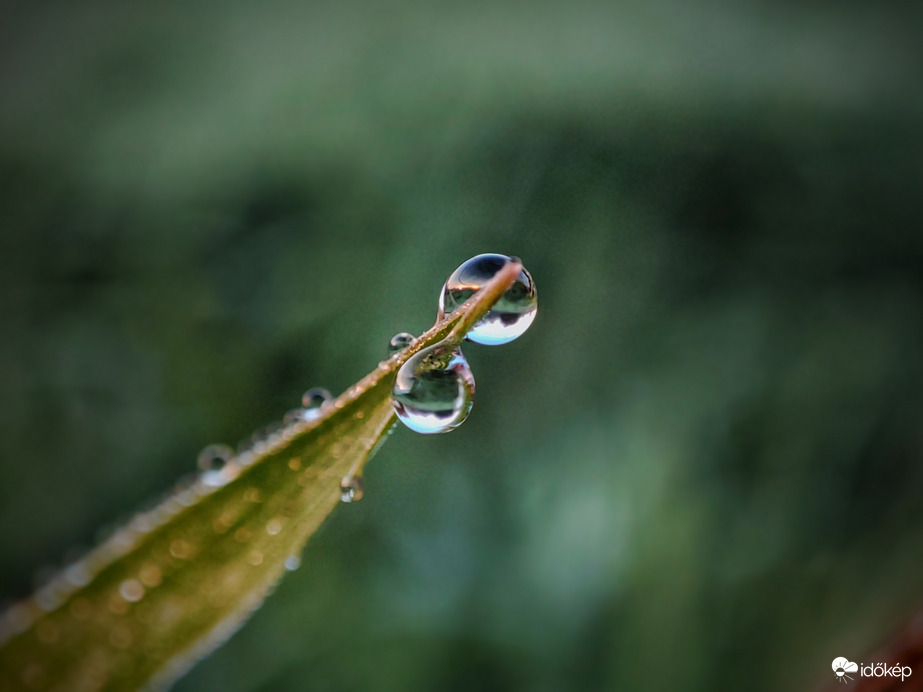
(510, 316)
(434, 390)
(351, 489)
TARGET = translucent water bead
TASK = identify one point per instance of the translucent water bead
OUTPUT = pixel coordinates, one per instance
(214, 462)
(399, 342)
(351, 489)
(434, 390)
(315, 397)
(214, 457)
(510, 317)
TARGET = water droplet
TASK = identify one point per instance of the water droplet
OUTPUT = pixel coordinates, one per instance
(214, 457)
(217, 467)
(292, 416)
(19, 618)
(77, 574)
(273, 527)
(292, 562)
(400, 341)
(180, 549)
(315, 397)
(150, 575)
(510, 316)
(131, 590)
(48, 598)
(434, 390)
(351, 489)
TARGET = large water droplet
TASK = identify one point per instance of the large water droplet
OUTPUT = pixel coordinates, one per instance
(510, 316)
(434, 390)
(400, 341)
(351, 489)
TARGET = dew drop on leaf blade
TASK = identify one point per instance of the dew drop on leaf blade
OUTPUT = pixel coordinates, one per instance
(214, 457)
(351, 489)
(434, 390)
(315, 397)
(400, 341)
(510, 316)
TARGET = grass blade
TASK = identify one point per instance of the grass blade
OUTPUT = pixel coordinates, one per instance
(169, 587)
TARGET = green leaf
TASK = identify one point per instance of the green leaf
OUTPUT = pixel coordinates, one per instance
(174, 583)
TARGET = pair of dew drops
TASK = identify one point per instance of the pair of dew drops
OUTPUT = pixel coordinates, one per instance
(434, 390)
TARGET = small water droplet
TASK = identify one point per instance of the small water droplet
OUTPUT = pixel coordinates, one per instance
(18, 617)
(273, 527)
(180, 549)
(351, 489)
(510, 317)
(48, 598)
(150, 575)
(214, 457)
(315, 397)
(216, 465)
(293, 416)
(292, 562)
(77, 574)
(131, 590)
(400, 341)
(262, 435)
(434, 390)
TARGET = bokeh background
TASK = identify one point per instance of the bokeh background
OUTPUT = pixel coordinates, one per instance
(701, 469)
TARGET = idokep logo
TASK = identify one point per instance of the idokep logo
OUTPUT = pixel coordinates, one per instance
(842, 667)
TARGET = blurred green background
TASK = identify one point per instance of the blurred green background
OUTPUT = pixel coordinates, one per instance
(701, 469)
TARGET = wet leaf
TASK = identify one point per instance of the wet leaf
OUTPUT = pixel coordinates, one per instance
(177, 580)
